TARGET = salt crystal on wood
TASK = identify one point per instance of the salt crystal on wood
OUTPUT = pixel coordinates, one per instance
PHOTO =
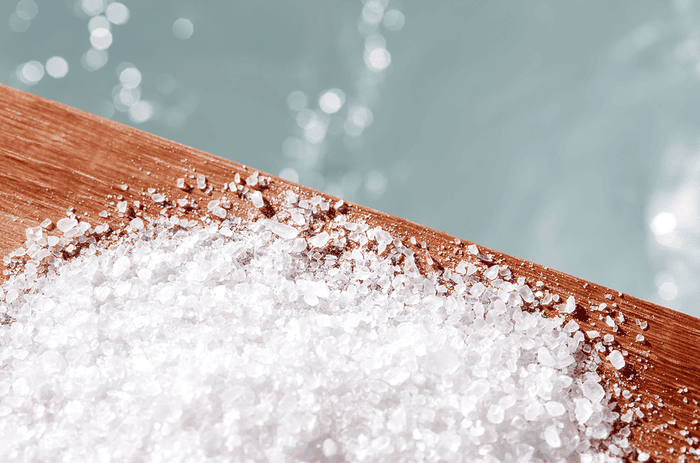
(616, 359)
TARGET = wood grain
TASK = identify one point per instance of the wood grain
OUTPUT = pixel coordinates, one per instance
(53, 157)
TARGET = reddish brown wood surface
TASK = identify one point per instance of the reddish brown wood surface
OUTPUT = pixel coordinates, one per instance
(53, 157)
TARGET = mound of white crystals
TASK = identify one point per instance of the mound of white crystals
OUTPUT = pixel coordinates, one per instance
(240, 341)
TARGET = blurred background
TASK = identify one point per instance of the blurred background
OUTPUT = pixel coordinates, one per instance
(566, 133)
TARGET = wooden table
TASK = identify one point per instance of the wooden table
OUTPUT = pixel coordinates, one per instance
(53, 157)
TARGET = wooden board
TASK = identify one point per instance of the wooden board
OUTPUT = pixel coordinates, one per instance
(53, 157)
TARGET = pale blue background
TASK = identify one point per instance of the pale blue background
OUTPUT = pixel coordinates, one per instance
(553, 131)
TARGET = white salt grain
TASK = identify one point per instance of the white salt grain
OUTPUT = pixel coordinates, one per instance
(201, 182)
(570, 305)
(319, 240)
(121, 207)
(257, 199)
(330, 448)
(616, 359)
(551, 435)
(593, 391)
(66, 224)
(136, 223)
(282, 230)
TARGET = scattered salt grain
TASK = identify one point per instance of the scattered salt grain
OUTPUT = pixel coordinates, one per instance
(201, 182)
(180, 182)
(121, 207)
(593, 391)
(643, 456)
(252, 180)
(66, 224)
(257, 199)
(570, 305)
(473, 249)
(616, 359)
(136, 224)
(282, 230)
(319, 240)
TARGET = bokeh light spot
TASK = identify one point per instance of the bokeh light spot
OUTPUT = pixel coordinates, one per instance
(57, 67)
(289, 174)
(663, 223)
(17, 23)
(297, 100)
(183, 28)
(117, 13)
(127, 97)
(27, 9)
(394, 20)
(94, 59)
(166, 83)
(372, 12)
(31, 73)
(376, 184)
(130, 77)
(101, 38)
(98, 22)
(668, 290)
(377, 59)
(304, 117)
(315, 131)
(141, 112)
(92, 7)
(331, 101)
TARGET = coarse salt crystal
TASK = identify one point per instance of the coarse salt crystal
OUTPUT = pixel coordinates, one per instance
(66, 224)
(282, 230)
(593, 391)
(319, 240)
(180, 182)
(570, 305)
(201, 182)
(257, 199)
(492, 272)
(136, 224)
(616, 359)
(121, 207)
(473, 249)
(252, 180)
